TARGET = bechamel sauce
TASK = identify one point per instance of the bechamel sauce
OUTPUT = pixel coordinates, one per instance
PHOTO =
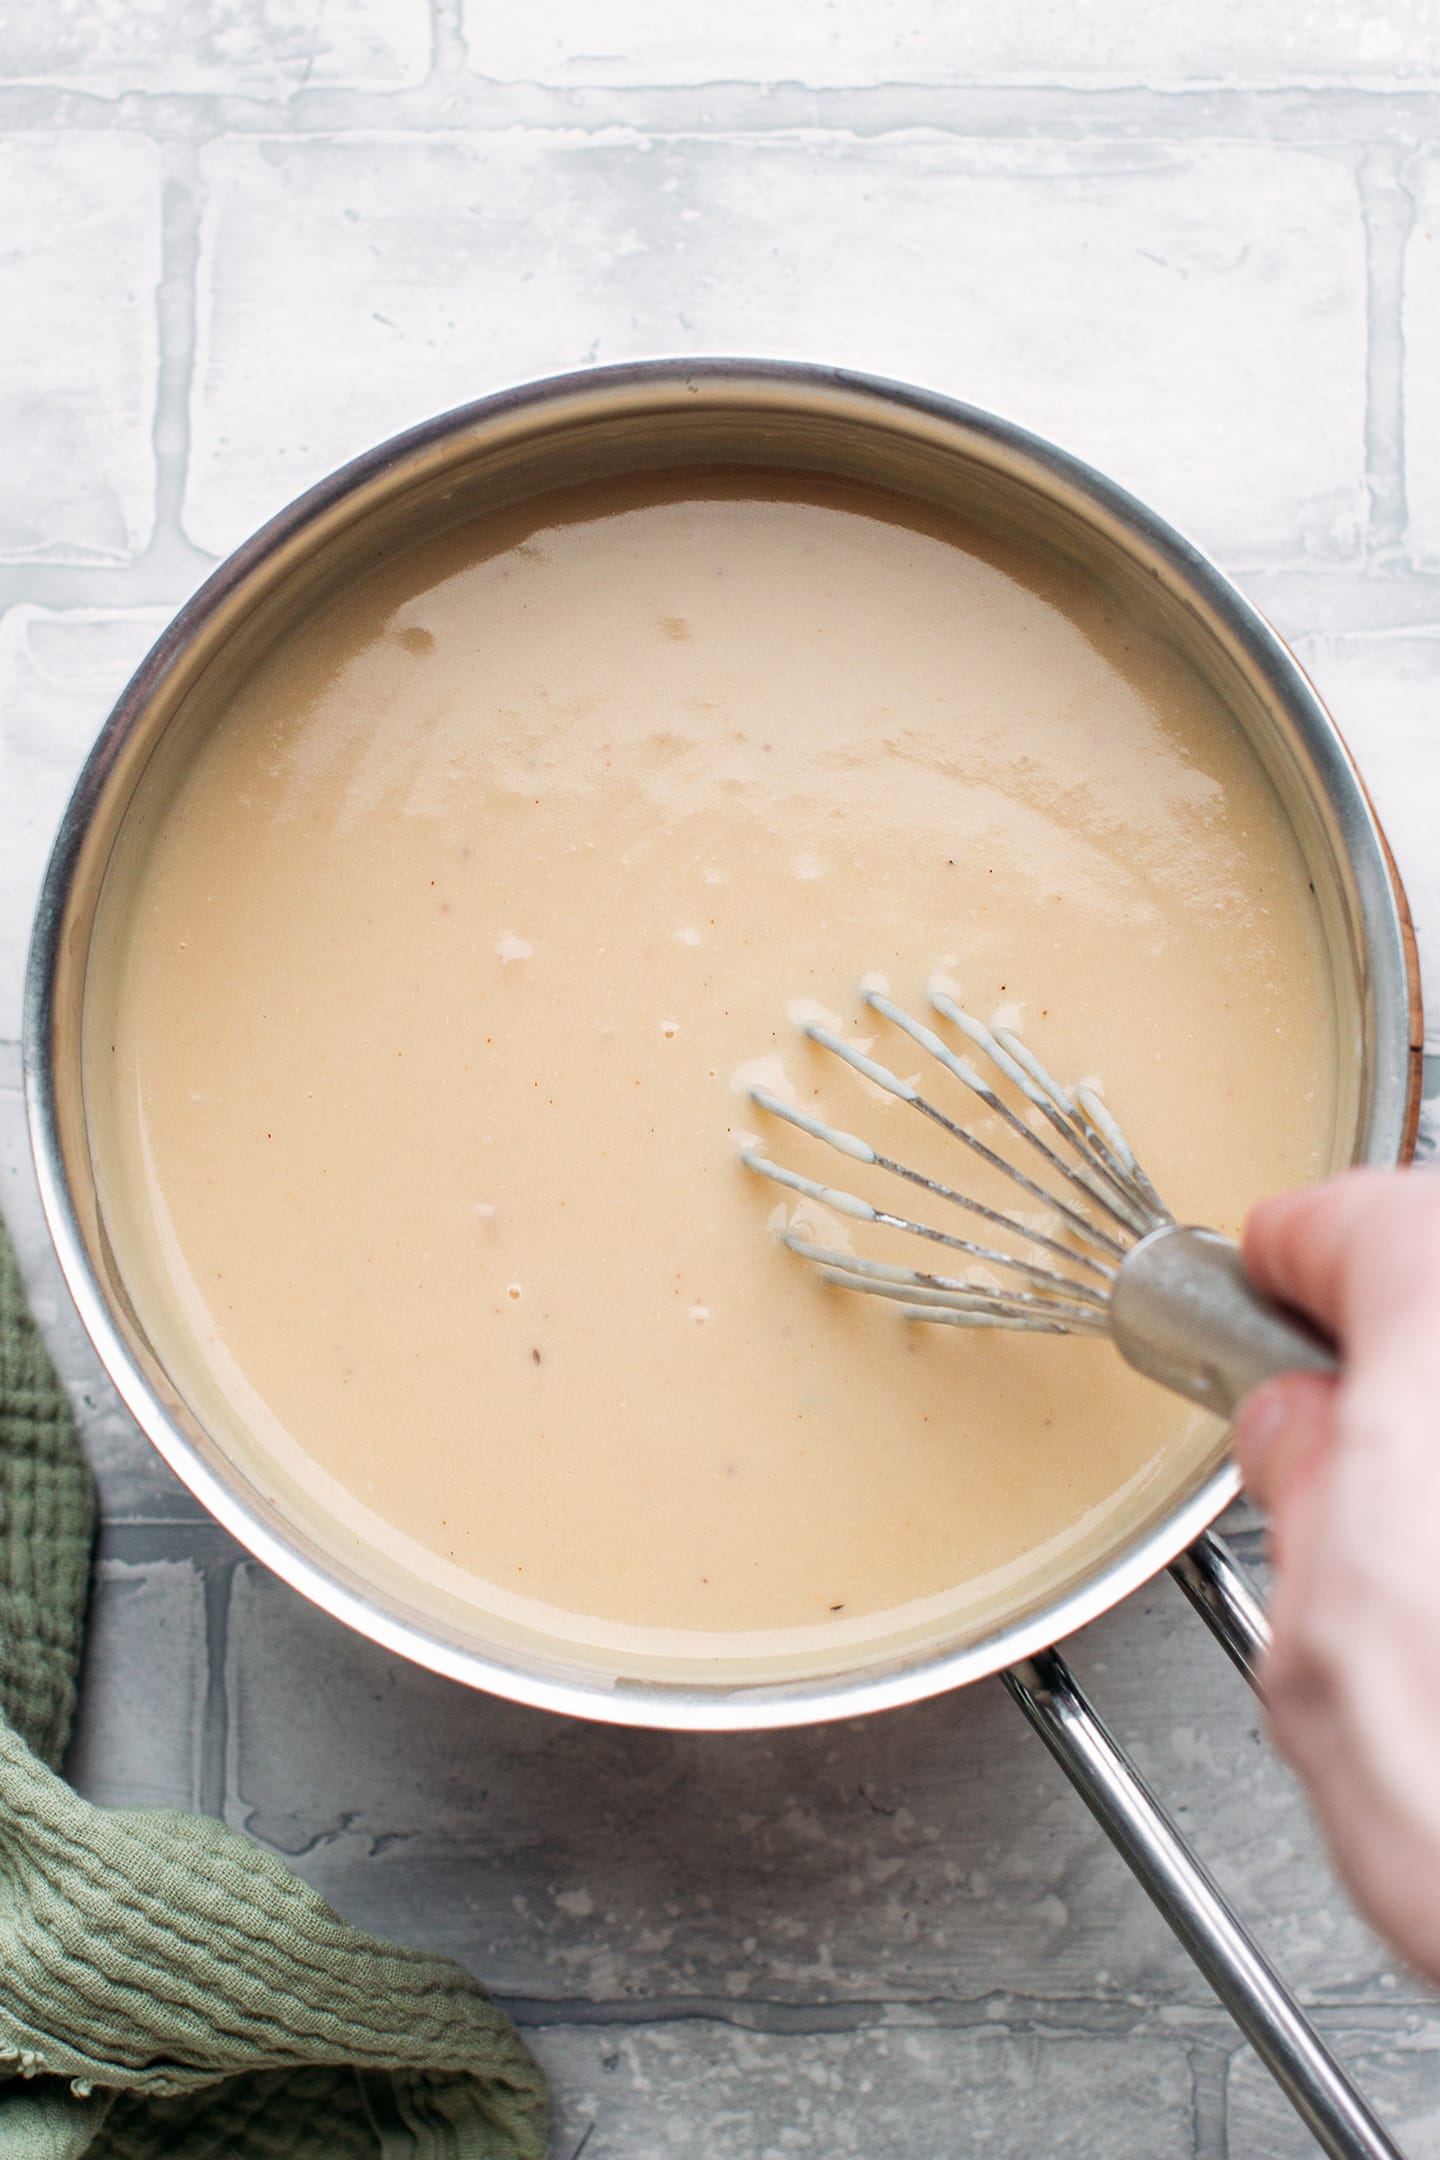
(416, 1095)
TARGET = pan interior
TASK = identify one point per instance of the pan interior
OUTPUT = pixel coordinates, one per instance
(361, 1341)
(1031, 547)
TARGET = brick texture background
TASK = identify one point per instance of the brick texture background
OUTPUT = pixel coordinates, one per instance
(241, 240)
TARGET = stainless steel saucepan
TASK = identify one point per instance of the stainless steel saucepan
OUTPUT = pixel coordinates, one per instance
(742, 413)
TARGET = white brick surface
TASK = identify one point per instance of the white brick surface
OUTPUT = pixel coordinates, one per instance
(1170, 236)
(936, 1852)
(137, 1741)
(1156, 307)
(1385, 694)
(701, 2091)
(79, 263)
(1393, 2061)
(59, 676)
(1422, 363)
(1102, 42)
(250, 47)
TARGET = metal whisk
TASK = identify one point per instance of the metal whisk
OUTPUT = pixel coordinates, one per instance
(1106, 1257)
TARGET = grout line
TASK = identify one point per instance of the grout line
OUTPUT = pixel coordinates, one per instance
(447, 44)
(456, 97)
(140, 1539)
(157, 577)
(1383, 597)
(1077, 2017)
(213, 1782)
(175, 313)
(1388, 211)
(1210, 2100)
(1206, 2027)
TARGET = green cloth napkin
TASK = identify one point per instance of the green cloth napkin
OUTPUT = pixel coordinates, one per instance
(166, 1987)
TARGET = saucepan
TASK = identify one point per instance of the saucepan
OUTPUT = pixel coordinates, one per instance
(607, 422)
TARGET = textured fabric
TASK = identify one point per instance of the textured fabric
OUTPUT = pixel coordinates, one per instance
(47, 1519)
(166, 1987)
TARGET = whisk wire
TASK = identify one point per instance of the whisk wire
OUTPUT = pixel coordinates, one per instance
(846, 1203)
(1123, 1213)
(1084, 1132)
(1099, 1164)
(1100, 1118)
(861, 1151)
(883, 1279)
(1104, 1175)
(894, 1085)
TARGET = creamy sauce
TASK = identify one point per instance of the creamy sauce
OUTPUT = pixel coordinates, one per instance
(459, 938)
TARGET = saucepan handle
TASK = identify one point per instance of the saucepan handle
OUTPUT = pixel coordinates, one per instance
(1227, 1601)
(1180, 1885)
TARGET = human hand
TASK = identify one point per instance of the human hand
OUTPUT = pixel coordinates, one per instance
(1349, 1470)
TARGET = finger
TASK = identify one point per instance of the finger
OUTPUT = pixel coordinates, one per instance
(1300, 1247)
(1359, 1253)
(1283, 1434)
(1383, 1853)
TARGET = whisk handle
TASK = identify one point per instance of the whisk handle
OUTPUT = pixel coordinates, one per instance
(1184, 1311)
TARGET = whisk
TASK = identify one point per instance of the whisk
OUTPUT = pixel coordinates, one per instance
(1102, 1254)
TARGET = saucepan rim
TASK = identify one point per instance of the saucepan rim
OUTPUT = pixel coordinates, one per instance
(1390, 1033)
